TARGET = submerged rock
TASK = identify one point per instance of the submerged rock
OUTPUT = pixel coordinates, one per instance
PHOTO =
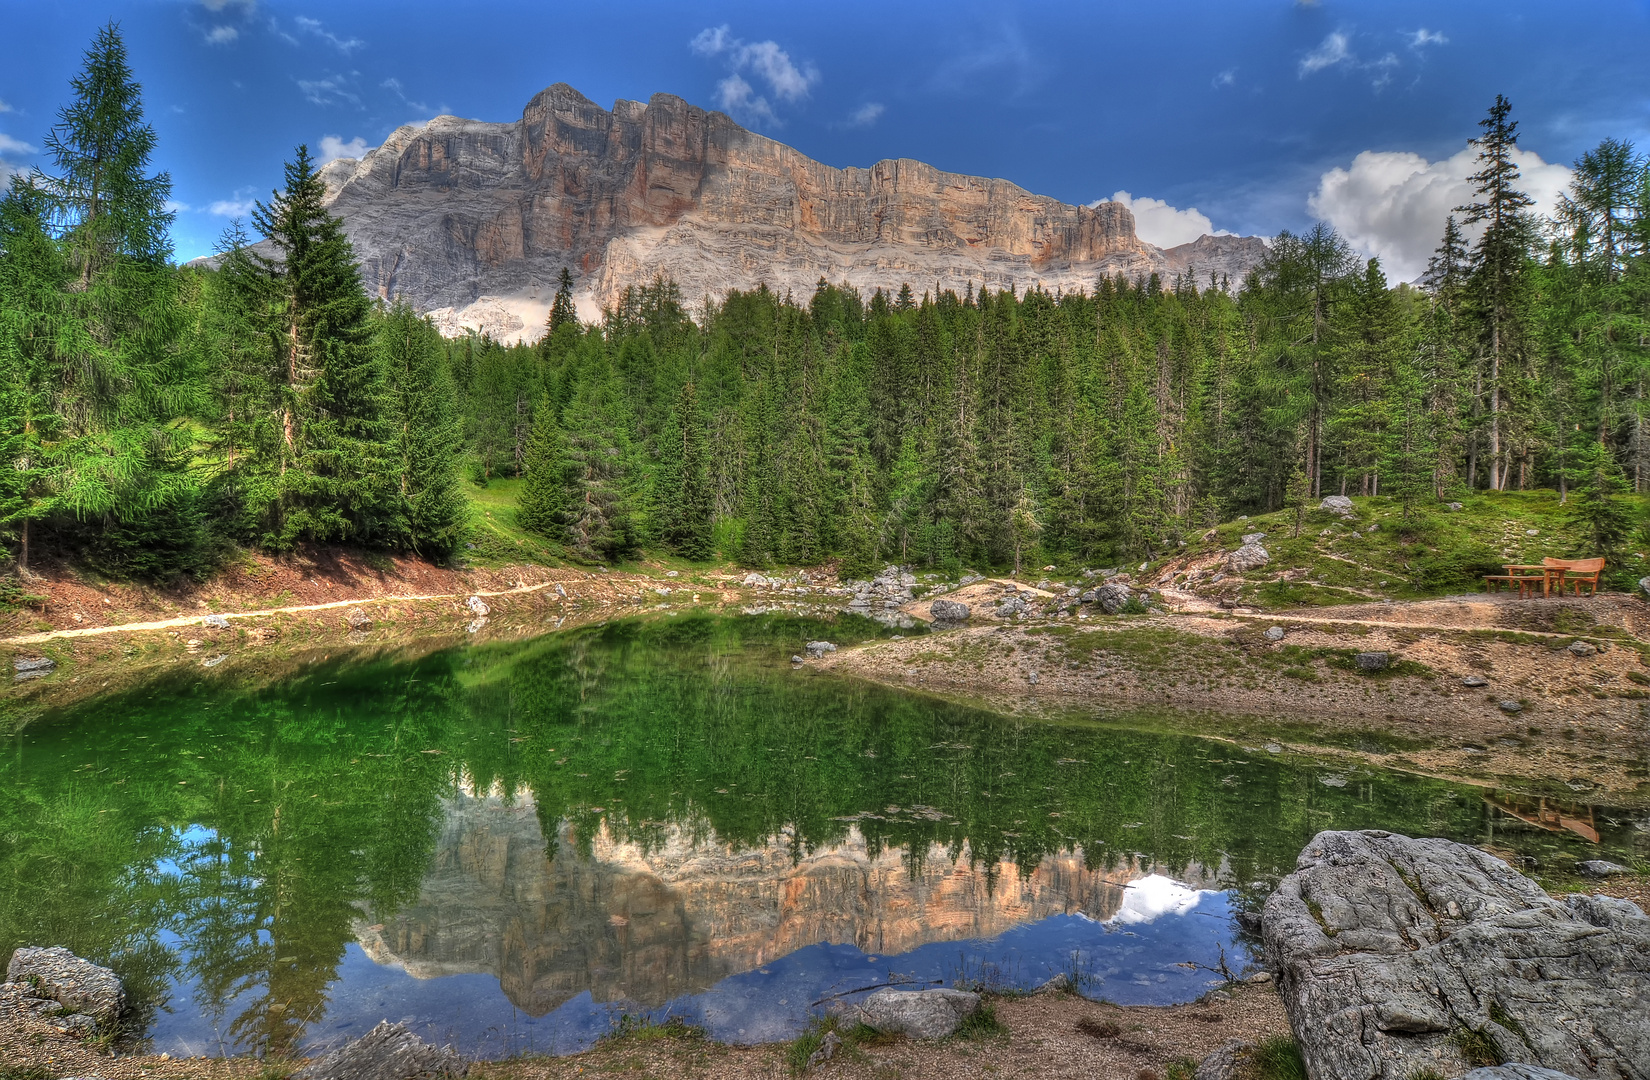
(32, 667)
(387, 1052)
(920, 1014)
(1388, 948)
(78, 986)
(358, 620)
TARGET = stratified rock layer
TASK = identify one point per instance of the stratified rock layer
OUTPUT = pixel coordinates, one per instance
(387, 1052)
(475, 220)
(79, 987)
(1394, 954)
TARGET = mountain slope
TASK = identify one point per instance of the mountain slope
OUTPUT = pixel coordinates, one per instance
(456, 212)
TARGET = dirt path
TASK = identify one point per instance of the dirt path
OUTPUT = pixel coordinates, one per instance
(196, 620)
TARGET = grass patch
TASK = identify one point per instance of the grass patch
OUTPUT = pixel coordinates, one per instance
(25, 1072)
(1476, 1047)
(853, 1036)
(982, 1024)
(1097, 1028)
(1276, 1058)
(643, 1029)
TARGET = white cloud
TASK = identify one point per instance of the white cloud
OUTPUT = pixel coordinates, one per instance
(314, 27)
(329, 91)
(333, 147)
(865, 115)
(1392, 204)
(1154, 896)
(763, 60)
(173, 206)
(1424, 37)
(394, 85)
(239, 205)
(9, 145)
(5, 107)
(222, 35)
(220, 5)
(1156, 222)
(1334, 49)
(1224, 78)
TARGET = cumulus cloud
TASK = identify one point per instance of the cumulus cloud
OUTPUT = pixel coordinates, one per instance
(334, 147)
(762, 60)
(220, 5)
(314, 28)
(238, 205)
(9, 145)
(1392, 204)
(222, 35)
(1156, 222)
(173, 206)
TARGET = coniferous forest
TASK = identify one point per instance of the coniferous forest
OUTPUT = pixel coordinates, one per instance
(158, 417)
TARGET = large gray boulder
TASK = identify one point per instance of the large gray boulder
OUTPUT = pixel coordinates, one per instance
(1389, 949)
(920, 1014)
(78, 986)
(948, 611)
(1112, 596)
(1246, 558)
(387, 1052)
(1337, 504)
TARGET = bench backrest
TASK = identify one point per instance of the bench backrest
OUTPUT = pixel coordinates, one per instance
(1576, 566)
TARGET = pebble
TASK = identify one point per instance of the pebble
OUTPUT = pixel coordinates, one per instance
(1511, 706)
(1475, 681)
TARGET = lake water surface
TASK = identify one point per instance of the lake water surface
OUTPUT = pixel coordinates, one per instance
(510, 846)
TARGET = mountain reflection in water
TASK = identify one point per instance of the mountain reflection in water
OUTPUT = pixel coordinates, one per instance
(647, 816)
(646, 924)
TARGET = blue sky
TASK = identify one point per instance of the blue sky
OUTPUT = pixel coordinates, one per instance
(1239, 111)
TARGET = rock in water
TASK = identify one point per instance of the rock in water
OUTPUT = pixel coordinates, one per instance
(1387, 948)
(79, 986)
(948, 611)
(479, 606)
(358, 620)
(1246, 558)
(920, 1014)
(32, 667)
(1601, 868)
(387, 1052)
(1337, 504)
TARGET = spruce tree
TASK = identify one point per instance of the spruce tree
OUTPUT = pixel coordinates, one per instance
(330, 477)
(1498, 262)
(32, 276)
(682, 503)
(543, 505)
(428, 439)
(562, 312)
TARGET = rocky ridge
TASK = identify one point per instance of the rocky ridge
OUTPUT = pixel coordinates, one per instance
(473, 221)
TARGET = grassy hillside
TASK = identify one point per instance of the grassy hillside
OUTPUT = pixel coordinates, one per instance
(1377, 554)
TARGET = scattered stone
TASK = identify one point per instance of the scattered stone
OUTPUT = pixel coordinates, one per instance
(673, 573)
(1227, 1063)
(1274, 633)
(817, 649)
(32, 667)
(1217, 579)
(1387, 948)
(215, 622)
(1644, 585)
(1060, 984)
(478, 606)
(1253, 538)
(1583, 648)
(1332, 781)
(919, 1014)
(1475, 681)
(828, 1046)
(1259, 977)
(1011, 605)
(1454, 507)
(1246, 558)
(1372, 661)
(475, 624)
(77, 985)
(387, 1052)
(1532, 532)
(360, 621)
(1510, 706)
(1274, 748)
(214, 661)
(1602, 868)
(1112, 597)
(1516, 1072)
(1337, 504)
(1031, 677)
(559, 590)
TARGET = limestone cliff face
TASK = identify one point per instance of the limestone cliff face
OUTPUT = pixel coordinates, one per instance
(647, 926)
(455, 211)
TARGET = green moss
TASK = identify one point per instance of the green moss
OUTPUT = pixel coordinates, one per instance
(1276, 1058)
(641, 1029)
(982, 1024)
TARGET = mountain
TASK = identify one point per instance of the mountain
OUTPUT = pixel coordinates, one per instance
(473, 221)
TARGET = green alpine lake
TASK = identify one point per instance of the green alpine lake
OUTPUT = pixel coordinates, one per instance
(511, 845)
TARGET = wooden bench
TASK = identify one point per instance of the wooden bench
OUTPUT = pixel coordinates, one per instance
(1525, 576)
(1577, 572)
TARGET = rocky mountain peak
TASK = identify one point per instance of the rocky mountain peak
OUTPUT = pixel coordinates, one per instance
(473, 221)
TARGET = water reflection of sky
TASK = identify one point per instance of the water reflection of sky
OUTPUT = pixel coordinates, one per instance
(1164, 945)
